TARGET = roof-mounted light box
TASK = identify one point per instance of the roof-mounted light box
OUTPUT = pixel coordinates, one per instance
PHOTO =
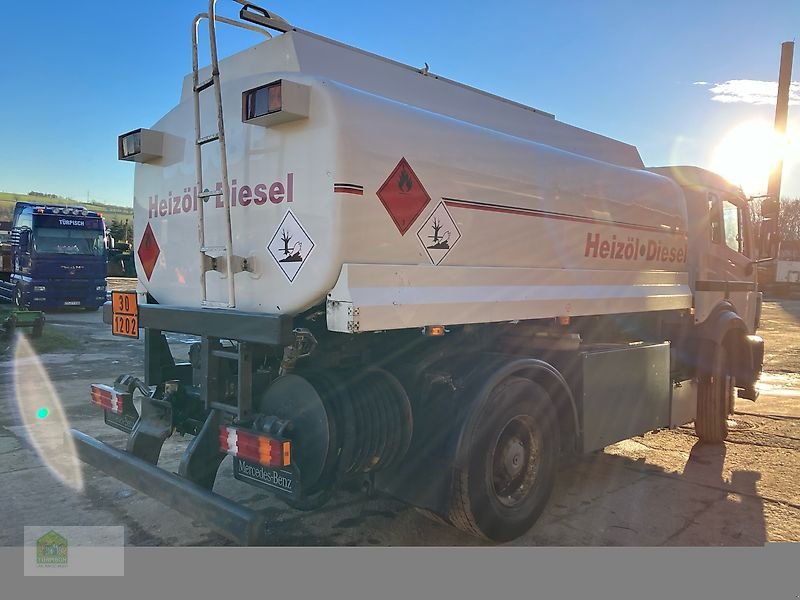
(140, 145)
(274, 103)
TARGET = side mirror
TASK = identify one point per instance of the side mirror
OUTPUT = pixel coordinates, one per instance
(24, 240)
(749, 268)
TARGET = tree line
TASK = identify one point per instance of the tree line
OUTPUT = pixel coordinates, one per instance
(788, 218)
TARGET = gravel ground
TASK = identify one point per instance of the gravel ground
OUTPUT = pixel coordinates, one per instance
(658, 489)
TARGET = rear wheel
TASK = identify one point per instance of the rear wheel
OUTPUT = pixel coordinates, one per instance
(512, 452)
(715, 400)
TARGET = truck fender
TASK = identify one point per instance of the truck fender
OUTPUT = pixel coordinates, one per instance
(535, 369)
(725, 326)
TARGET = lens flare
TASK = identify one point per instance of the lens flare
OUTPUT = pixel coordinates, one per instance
(43, 416)
(748, 154)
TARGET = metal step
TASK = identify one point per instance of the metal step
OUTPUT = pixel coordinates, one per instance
(213, 304)
(216, 249)
(208, 138)
(204, 85)
(209, 194)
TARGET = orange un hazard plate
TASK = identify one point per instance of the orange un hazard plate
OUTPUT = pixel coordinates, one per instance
(125, 314)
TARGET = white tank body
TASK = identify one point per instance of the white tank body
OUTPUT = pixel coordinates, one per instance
(484, 225)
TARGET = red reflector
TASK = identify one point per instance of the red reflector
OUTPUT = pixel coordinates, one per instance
(105, 397)
(274, 101)
(255, 447)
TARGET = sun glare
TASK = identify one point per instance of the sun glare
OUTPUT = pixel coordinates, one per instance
(43, 415)
(748, 153)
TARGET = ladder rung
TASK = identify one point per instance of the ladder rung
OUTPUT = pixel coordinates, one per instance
(204, 85)
(207, 249)
(209, 194)
(208, 138)
(212, 304)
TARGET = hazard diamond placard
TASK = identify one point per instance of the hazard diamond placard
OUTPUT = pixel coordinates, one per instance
(148, 251)
(403, 196)
(290, 246)
(438, 234)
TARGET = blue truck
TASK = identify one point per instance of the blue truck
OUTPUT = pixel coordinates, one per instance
(58, 258)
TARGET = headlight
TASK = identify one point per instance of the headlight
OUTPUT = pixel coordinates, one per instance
(39, 288)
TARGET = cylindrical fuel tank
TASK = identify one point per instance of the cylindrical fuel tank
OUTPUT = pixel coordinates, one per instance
(368, 180)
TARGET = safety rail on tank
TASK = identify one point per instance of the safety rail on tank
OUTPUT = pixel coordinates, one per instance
(209, 255)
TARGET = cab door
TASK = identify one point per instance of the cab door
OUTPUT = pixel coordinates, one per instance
(730, 275)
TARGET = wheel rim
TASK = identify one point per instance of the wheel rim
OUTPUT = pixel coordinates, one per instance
(515, 460)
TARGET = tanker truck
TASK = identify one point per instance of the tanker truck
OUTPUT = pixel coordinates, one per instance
(409, 286)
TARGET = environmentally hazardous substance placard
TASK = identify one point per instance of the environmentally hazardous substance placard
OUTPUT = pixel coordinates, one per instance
(439, 234)
(290, 246)
(403, 196)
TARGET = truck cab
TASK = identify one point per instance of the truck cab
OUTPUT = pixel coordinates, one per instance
(58, 258)
(721, 253)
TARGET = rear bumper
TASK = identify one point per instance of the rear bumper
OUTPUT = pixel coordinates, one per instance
(234, 521)
(257, 328)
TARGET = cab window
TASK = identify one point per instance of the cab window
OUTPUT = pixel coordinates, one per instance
(25, 220)
(732, 218)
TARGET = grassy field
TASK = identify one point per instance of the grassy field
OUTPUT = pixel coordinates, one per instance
(110, 212)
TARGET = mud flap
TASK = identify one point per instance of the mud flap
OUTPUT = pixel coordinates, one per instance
(151, 430)
(201, 459)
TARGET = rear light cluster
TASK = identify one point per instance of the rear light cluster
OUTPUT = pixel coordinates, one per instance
(107, 397)
(255, 447)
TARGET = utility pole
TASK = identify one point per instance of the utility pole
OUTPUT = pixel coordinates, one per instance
(770, 208)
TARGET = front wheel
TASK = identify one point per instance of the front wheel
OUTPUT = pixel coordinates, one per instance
(512, 454)
(715, 400)
(18, 300)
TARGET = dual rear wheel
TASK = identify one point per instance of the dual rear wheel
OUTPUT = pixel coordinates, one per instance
(513, 446)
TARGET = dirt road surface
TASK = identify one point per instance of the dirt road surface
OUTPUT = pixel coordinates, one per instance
(659, 489)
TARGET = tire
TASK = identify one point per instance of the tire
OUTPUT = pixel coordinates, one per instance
(715, 401)
(18, 298)
(512, 451)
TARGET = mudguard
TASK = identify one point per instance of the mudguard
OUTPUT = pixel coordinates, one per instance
(724, 325)
(438, 448)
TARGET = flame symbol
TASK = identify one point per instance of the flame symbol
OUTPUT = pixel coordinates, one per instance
(404, 183)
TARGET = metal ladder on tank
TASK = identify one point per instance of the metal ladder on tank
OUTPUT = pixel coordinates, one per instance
(211, 256)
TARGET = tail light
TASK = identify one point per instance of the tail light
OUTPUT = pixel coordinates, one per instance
(255, 447)
(107, 397)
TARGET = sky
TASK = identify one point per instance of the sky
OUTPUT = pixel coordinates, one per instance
(686, 82)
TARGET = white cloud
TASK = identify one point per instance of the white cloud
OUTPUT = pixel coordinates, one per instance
(750, 91)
